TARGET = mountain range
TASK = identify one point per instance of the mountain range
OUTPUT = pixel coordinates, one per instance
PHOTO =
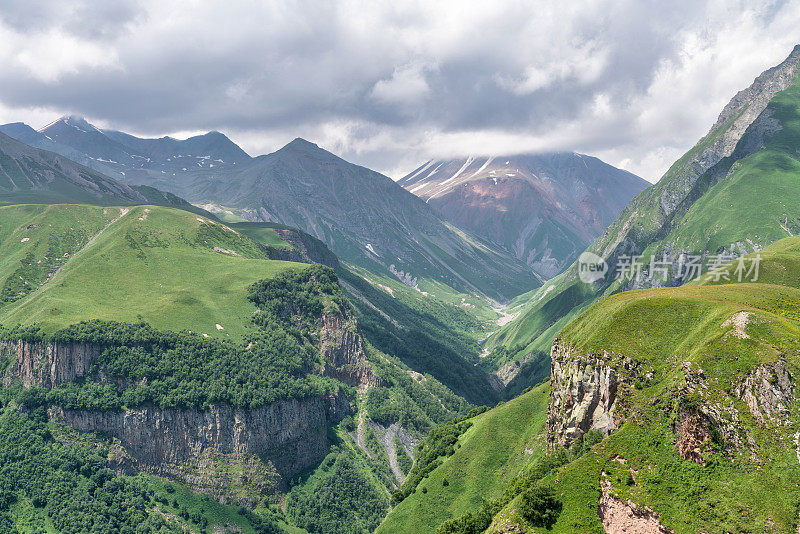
(363, 216)
(367, 220)
(30, 175)
(544, 208)
(498, 242)
(328, 352)
(668, 409)
(165, 163)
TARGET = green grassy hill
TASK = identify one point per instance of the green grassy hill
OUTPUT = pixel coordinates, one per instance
(62, 264)
(264, 233)
(749, 474)
(176, 270)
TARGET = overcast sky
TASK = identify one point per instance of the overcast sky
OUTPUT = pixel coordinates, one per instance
(392, 84)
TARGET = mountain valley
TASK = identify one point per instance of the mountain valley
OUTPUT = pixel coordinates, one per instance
(197, 340)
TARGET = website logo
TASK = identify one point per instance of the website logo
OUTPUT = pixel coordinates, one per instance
(591, 268)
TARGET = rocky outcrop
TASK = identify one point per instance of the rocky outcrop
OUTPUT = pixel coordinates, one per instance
(708, 419)
(343, 351)
(694, 436)
(47, 364)
(768, 393)
(584, 393)
(289, 435)
(626, 517)
(593, 392)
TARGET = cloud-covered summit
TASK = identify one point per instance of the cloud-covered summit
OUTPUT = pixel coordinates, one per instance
(392, 84)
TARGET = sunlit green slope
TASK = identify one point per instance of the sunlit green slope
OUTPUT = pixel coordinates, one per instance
(707, 424)
(176, 270)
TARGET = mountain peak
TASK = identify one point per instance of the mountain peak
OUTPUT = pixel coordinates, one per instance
(302, 147)
(299, 142)
(24, 133)
(75, 121)
(791, 58)
(539, 196)
(215, 136)
(218, 144)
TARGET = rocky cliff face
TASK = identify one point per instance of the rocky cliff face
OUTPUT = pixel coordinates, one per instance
(343, 352)
(288, 435)
(47, 364)
(768, 393)
(586, 393)
(233, 454)
(626, 517)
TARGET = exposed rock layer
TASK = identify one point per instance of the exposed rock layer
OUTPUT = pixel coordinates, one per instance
(620, 517)
(694, 436)
(583, 394)
(343, 352)
(768, 392)
(291, 434)
(284, 437)
(47, 364)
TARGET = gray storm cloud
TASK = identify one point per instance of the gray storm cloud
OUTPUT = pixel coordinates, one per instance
(389, 85)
